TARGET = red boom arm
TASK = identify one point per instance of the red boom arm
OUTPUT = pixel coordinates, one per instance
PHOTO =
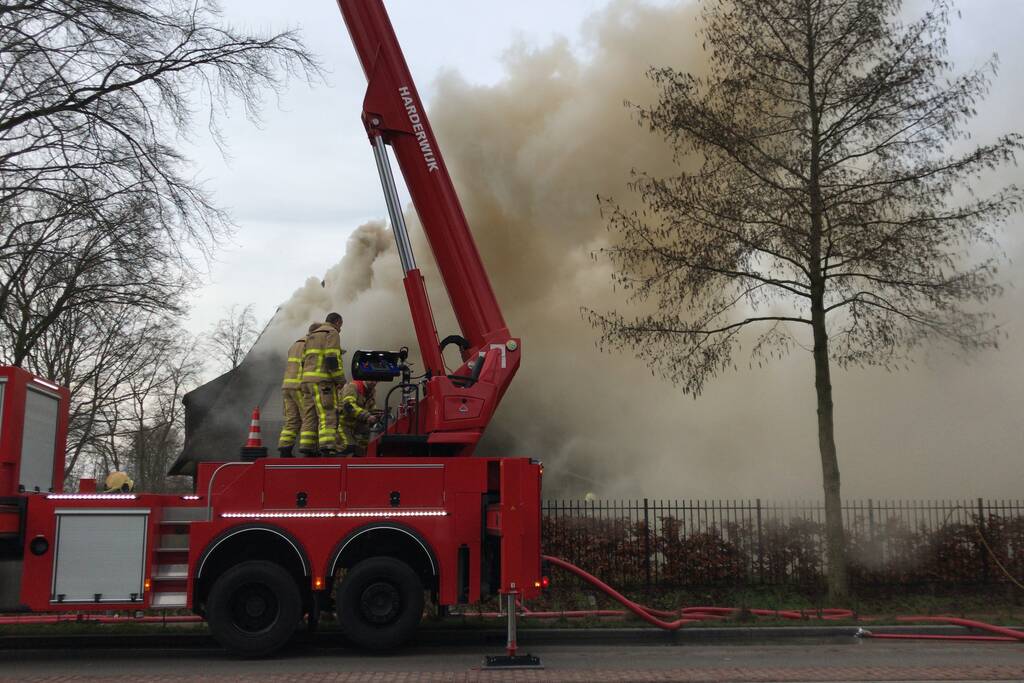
(453, 412)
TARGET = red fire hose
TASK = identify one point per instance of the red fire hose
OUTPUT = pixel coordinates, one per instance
(637, 609)
(653, 616)
(1002, 633)
(695, 614)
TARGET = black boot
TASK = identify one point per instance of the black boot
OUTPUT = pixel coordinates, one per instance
(285, 451)
(307, 453)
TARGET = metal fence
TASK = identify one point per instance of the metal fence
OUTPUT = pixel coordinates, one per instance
(671, 543)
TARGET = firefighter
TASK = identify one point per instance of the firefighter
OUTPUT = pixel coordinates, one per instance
(291, 394)
(322, 377)
(355, 408)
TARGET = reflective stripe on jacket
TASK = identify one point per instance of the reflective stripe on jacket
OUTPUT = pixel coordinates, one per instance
(293, 367)
(321, 359)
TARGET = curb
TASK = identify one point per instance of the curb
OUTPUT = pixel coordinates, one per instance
(684, 636)
(459, 637)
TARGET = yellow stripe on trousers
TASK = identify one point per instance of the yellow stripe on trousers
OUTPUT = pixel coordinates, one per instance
(325, 435)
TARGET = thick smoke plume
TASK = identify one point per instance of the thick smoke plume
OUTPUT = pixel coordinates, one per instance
(528, 156)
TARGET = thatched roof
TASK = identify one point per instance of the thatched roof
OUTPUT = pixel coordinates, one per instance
(217, 414)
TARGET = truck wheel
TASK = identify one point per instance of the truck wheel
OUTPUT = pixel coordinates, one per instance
(254, 608)
(380, 603)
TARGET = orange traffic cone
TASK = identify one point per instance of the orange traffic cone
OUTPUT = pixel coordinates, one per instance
(253, 447)
(254, 430)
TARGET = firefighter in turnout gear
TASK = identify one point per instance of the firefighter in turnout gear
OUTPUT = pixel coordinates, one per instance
(291, 394)
(356, 416)
(322, 378)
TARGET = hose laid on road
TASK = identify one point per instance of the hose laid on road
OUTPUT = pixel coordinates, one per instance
(696, 614)
(687, 615)
(633, 607)
(1002, 633)
(864, 633)
(971, 623)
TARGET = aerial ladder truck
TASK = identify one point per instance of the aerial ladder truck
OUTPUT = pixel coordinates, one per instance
(261, 545)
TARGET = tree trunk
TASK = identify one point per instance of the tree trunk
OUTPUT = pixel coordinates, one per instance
(835, 538)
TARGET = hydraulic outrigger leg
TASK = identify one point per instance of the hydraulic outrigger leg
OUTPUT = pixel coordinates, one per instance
(512, 660)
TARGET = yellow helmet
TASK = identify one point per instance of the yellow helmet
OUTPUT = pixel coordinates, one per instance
(119, 481)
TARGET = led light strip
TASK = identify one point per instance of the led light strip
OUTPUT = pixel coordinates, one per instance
(191, 497)
(91, 496)
(397, 513)
(331, 515)
(275, 515)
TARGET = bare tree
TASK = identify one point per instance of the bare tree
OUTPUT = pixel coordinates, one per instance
(138, 428)
(80, 265)
(93, 352)
(115, 360)
(96, 205)
(233, 335)
(99, 215)
(825, 211)
(156, 413)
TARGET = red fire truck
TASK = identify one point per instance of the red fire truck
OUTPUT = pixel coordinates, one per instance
(259, 545)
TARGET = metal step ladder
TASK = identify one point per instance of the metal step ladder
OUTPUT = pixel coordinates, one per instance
(170, 568)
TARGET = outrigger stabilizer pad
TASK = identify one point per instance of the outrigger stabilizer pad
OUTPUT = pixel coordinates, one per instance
(511, 659)
(512, 662)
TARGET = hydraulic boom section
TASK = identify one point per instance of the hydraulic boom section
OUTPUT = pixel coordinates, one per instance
(450, 416)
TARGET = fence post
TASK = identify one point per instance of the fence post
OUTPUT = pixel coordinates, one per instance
(760, 545)
(647, 545)
(874, 548)
(981, 532)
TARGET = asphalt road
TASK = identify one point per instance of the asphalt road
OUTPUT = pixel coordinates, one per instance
(828, 659)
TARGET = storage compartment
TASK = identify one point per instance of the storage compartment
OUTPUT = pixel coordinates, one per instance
(301, 486)
(8, 466)
(10, 585)
(380, 485)
(12, 527)
(33, 433)
(100, 555)
(38, 441)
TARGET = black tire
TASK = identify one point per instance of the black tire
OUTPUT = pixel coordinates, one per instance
(380, 603)
(254, 608)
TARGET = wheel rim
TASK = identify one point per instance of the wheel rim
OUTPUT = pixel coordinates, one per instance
(254, 608)
(380, 603)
